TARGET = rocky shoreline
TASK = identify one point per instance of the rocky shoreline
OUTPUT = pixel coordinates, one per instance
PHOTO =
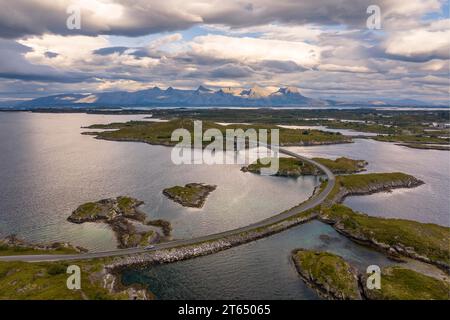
(12, 242)
(333, 278)
(192, 195)
(118, 213)
(207, 247)
(406, 181)
(373, 231)
(425, 146)
(330, 275)
(395, 249)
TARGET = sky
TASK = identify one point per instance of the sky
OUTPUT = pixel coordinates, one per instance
(328, 49)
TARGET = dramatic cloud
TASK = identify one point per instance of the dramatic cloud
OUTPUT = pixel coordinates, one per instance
(322, 46)
(421, 44)
(254, 50)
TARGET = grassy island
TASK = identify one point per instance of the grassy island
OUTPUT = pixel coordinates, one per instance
(291, 167)
(191, 195)
(160, 133)
(363, 184)
(117, 212)
(108, 209)
(442, 147)
(423, 241)
(329, 274)
(404, 284)
(419, 138)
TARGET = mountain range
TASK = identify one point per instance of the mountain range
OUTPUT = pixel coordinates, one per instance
(202, 96)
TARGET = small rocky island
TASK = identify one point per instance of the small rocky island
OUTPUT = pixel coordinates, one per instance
(330, 275)
(291, 167)
(120, 213)
(191, 195)
(334, 278)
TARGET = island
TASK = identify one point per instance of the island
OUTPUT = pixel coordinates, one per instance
(424, 130)
(425, 242)
(292, 167)
(119, 213)
(399, 283)
(330, 275)
(365, 184)
(335, 279)
(160, 133)
(191, 195)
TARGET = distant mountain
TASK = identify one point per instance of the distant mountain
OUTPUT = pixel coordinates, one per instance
(202, 96)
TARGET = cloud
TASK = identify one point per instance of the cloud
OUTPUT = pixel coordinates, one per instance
(21, 18)
(110, 50)
(322, 46)
(342, 68)
(13, 65)
(248, 49)
(420, 44)
(230, 71)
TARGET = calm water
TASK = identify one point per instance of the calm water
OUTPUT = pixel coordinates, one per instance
(48, 168)
(263, 269)
(427, 203)
(257, 270)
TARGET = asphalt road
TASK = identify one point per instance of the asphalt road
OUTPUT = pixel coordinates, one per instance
(309, 204)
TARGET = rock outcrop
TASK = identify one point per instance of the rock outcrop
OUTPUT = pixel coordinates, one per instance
(191, 195)
(119, 214)
(330, 275)
(12, 242)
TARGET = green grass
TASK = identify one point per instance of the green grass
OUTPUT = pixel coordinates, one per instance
(427, 239)
(89, 209)
(127, 204)
(354, 182)
(18, 250)
(287, 166)
(160, 132)
(342, 164)
(362, 127)
(358, 181)
(404, 284)
(145, 237)
(295, 167)
(189, 195)
(328, 270)
(445, 147)
(42, 281)
(418, 138)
